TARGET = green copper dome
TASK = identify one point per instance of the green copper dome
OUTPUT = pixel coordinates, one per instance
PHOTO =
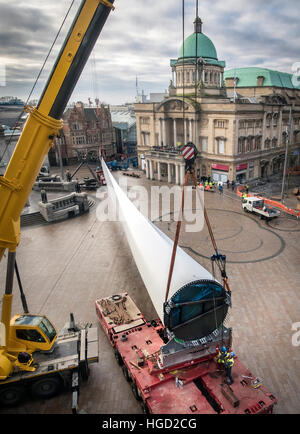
(205, 48)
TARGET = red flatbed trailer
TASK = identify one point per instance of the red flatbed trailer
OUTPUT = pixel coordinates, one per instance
(194, 387)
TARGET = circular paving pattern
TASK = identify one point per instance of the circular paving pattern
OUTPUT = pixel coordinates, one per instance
(285, 224)
(241, 237)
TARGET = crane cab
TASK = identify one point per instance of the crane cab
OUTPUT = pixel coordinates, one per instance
(31, 333)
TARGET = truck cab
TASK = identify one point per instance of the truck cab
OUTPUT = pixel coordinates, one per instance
(31, 333)
(258, 206)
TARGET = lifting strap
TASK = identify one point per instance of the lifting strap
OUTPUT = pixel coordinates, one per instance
(217, 257)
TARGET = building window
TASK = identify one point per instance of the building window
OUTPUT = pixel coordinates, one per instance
(220, 124)
(240, 145)
(242, 124)
(76, 126)
(258, 142)
(248, 144)
(187, 76)
(275, 116)
(80, 140)
(274, 142)
(204, 145)
(194, 76)
(251, 171)
(268, 120)
(267, 143)
(205, 77)
(221, 146)
(146, 139)
(284, 138)
(258, 123)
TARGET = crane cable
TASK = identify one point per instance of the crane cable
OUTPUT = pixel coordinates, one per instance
(37, 78)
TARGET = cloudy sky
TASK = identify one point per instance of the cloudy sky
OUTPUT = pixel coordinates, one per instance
(139, 39)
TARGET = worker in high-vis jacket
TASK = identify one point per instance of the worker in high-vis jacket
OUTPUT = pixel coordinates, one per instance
(222, 355)
(229, 362)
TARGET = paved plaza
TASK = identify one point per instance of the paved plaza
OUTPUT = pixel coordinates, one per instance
(66, 266)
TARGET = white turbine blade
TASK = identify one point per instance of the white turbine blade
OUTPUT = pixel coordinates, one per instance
(152, 250)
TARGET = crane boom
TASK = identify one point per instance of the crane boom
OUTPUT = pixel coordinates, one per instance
(40, 130)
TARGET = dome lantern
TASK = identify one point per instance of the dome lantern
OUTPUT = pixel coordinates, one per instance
(198, 25)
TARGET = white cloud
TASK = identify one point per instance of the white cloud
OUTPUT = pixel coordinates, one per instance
(141, 36)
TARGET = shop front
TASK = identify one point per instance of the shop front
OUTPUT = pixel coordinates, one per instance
(219, 172)
(241, 172)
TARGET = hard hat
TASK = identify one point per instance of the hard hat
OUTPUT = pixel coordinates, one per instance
(223, 349)
(232, 354)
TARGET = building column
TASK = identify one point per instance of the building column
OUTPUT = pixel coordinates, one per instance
(164, 133)
(191, 129)
(151, 169)
(169, 173)
(184, 131)
(147, 169)
(196, 133)
(182, 174)
(177, 174)
(175, 133)
(159, 132)
(158, 171)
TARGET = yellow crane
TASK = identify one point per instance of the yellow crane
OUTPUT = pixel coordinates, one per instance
(24, 335)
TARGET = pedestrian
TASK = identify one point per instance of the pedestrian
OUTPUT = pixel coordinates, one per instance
(44, 196)
(68, 176)
(220, 188)
(227, 182)
(232, 185)
(247, 188)
(229, 362)
(77, 186)
(244, 197)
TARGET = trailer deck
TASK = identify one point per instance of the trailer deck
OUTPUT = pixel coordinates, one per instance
(194, 387)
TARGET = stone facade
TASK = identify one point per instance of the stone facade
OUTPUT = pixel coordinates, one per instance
(238, 138)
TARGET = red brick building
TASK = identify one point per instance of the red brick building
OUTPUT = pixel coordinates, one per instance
(88, 129)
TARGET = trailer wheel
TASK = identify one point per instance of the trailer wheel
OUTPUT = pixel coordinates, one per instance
(118, 358)
(135, 391)
(126, 373)
(11, 395)
(46, 387)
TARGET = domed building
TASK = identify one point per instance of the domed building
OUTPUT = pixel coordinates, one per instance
(237, 119)
(197, 66)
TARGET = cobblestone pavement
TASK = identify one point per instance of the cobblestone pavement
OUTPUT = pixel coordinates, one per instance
(66, 266)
